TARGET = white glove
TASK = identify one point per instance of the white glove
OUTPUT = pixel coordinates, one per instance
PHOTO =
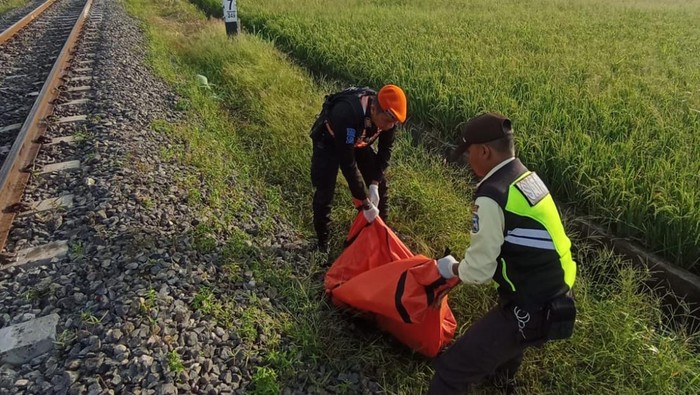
(444, 266)
(370, 213)
(374, 194)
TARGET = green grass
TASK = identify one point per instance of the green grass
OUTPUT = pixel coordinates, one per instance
(175, 362)
(265, 382)
(65, 339)
(208, 303)
(77, 250)
(203, 240)
(248, 139)
(212, 8)
(149, 302)
(87, 317)
(9, 5)
(603, 94)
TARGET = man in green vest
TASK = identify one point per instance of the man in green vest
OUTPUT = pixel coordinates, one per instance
(518, 240)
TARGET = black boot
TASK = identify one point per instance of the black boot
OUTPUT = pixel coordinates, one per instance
(322, 246)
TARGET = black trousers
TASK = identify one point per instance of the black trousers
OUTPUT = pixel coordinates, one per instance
(492, 347)
(324, 172)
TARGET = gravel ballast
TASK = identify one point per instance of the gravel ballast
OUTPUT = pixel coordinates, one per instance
(125, 293)
(12, 16)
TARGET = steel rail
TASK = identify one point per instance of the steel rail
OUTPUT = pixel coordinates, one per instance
(10, 31)
(17, 168)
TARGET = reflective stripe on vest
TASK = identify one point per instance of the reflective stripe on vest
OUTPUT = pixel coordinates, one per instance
(535, 238)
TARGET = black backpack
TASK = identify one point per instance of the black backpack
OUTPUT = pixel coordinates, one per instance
(348, 94)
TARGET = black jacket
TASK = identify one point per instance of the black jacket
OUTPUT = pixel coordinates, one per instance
(348, 124)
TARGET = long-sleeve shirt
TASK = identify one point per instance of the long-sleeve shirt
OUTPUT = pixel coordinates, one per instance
(350, 133)
(479, 263)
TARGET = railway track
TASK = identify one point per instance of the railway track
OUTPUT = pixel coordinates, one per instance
(45, 86)
(13, 28)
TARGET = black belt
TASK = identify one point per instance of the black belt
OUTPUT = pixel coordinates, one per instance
(507, 304)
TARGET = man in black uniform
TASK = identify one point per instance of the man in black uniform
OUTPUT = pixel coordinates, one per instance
(343, 134)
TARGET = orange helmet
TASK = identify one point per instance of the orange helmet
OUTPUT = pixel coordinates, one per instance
(392, 99)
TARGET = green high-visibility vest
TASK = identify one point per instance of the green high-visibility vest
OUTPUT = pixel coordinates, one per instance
(535, 263)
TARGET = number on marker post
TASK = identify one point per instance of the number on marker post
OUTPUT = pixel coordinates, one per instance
(231, 17)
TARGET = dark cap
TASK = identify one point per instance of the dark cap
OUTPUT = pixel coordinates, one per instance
(483, 129)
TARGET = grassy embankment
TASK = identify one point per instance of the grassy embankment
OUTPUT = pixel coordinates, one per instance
(251, 127)
(9, 5)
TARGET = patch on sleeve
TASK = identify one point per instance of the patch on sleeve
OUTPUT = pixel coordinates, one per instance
(532, 188)
(350, 137)
(475, 223)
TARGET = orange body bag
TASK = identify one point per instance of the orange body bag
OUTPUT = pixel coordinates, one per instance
(378, 274)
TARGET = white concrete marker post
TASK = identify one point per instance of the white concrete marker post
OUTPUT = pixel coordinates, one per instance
(231, 17)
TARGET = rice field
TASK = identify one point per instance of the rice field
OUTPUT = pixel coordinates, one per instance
(604, 95)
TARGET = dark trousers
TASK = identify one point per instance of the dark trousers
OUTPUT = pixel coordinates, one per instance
(492, 347)
(324, 172)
